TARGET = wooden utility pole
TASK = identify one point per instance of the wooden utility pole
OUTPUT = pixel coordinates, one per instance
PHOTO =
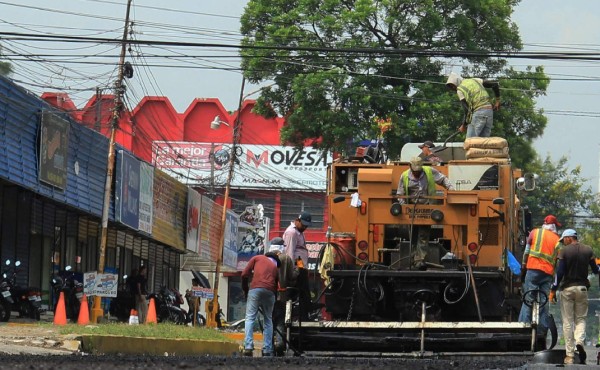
(212, 306)
(97, 311)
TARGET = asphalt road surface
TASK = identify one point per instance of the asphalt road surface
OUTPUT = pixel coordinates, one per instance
(82, 362)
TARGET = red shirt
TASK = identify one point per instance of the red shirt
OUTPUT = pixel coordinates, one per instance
(263, 271)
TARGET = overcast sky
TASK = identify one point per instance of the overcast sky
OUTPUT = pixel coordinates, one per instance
(545, 25)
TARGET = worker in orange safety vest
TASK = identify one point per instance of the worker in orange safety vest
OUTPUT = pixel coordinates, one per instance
(537, 269)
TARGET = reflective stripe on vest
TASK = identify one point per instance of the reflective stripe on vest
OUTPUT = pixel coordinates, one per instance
(475, 94)
(542, 251)
(428, 176)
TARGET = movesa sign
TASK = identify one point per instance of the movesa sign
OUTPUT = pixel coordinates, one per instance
(257, 166)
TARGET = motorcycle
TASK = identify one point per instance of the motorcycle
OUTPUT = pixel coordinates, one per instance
(168, 308)
(6, 300)
(121, 306)
(72, 290)
(26, 300)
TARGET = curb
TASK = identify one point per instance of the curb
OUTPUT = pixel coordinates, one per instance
(110, 344)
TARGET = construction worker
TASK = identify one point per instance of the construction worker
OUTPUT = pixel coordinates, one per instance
(288, 274)
(537, 267)
(428, 155)
(574, 259)
(419, 182)
(295, 248)
(478, 116)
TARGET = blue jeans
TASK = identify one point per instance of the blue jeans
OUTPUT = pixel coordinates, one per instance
(263, 299)
(481, 124)
(536, 279)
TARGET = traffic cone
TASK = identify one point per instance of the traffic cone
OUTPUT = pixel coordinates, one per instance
(133, 317)
(84, 312)
(60, 315)
(151, 317)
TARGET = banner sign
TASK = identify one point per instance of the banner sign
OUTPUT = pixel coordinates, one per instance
(146, 194)
(169, 210)
(102, 285)
(194, 205)
(54, 146)
(256, 166)
(127, 190)
(230, 253)
(203, 292)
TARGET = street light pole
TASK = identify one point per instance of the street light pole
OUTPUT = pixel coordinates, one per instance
(97, 307)
(212, 311)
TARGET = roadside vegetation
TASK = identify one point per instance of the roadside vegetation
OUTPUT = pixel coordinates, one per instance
(144, 331)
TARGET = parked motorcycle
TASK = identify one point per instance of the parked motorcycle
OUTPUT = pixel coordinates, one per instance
(26, 300)
(6, 300)
(167, 303)
(72, 289)
(123, 303)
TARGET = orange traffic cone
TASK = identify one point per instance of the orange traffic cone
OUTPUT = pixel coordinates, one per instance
(60, 315)
(151, 317)
(84, 312)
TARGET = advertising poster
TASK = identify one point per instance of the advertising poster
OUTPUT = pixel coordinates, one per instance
(230, 248)
(102, 285)
(54, 146)
(127, 190)
(146, 194)
(169, 210)
(206, 223)
(253, 229)
(194, 206)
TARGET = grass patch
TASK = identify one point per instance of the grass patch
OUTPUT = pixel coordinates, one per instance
(163, 330)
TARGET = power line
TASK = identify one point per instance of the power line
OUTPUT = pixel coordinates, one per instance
(365, 51)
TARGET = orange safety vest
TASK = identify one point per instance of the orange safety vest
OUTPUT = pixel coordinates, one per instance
(543, 251)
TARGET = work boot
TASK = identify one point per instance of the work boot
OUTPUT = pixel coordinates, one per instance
(582, 354)
(248, 352)
(569, 360)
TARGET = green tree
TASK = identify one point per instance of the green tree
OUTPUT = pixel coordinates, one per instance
(559, 191)
(5, 67)
(337, 95)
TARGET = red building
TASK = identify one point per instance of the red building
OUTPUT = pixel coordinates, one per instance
(155, 120)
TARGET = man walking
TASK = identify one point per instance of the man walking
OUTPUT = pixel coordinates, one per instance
(260, 296)
(478, 116)
(571, 276)
(537, 268)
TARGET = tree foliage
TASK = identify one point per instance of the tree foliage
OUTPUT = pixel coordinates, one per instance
(5, 67)
(335, 71)
(559, 191)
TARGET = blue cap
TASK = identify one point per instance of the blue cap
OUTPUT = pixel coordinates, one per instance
(568, 232)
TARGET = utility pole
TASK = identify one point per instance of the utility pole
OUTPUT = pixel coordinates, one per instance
(212, 311)
(212, 170)
(97, 311)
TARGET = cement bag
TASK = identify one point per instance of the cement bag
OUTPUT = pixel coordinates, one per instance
(490, 159)
(479, 153)
(485, 143)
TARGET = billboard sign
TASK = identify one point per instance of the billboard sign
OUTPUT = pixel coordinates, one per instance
(256, 166)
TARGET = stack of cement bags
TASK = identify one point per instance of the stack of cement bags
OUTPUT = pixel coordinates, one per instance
(484, 149)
